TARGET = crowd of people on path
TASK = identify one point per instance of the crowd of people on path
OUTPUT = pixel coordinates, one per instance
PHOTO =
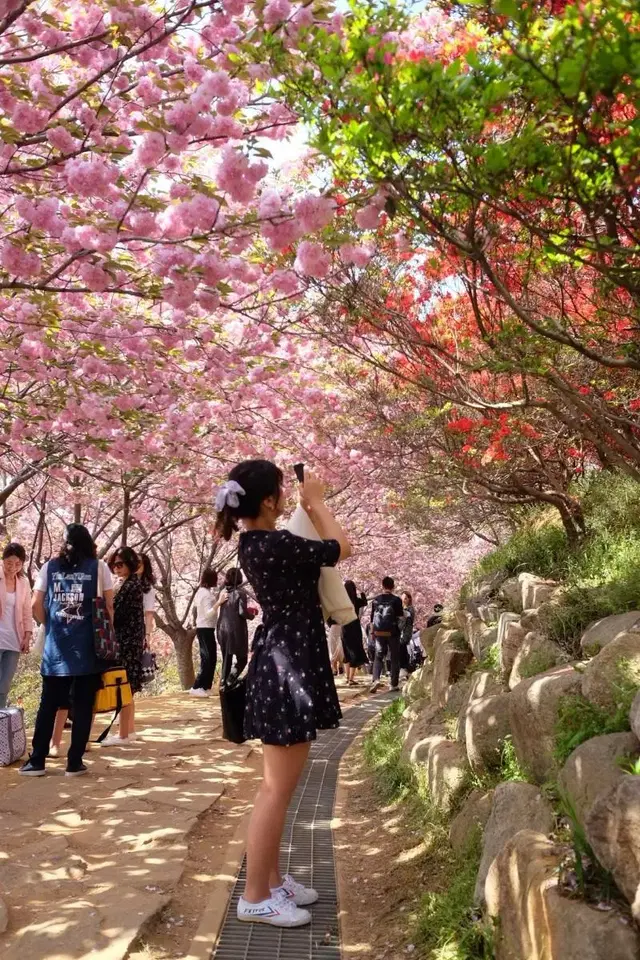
(62, 604)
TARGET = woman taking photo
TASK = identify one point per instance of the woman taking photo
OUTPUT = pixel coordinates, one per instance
(354, 655)
(128, 621)
(16, 625)
(290, 688)
(63, 601)
(205, 609)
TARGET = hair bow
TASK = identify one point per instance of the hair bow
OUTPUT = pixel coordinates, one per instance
(228, 495)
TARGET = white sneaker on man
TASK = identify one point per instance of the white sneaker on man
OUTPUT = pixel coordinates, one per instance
(300, 895)
(375, 686)
(277, 911)
(199, 692)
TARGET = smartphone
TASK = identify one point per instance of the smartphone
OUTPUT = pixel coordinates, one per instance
(298, 469)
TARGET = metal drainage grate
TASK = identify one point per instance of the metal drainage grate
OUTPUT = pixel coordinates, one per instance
(307, 855)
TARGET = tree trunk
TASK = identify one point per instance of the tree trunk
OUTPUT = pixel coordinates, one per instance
(183, 644)
(77, 513)
(572, 521)
(126, 514)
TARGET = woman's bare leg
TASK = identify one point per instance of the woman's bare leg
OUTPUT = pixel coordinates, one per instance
(56, 736)
(127, 721)
(282, 769)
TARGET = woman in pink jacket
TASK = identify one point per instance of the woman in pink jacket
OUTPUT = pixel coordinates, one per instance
(16, 625)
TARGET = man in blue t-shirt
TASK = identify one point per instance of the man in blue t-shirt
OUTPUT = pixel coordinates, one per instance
(387, 615)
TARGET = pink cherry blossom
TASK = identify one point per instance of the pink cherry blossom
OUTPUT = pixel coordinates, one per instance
(359, 256)
(19, 262)
(276, 11)
(367, 218)
(312, 260)
(151, 149)
(28, 118)
(314, 212)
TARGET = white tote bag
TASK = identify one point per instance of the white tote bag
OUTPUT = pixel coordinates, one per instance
(333, 596)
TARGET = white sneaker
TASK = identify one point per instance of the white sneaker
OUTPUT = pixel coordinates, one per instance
(199, 692)
(302, 896)
(115, 741)
(375, 686)
(276, 911)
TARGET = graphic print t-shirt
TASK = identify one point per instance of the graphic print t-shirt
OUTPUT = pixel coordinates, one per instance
(69, 645)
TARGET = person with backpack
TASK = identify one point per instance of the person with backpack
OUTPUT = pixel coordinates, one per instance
(233, 629)
(387, 616)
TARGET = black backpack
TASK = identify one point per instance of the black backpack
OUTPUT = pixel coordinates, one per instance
(385, 619)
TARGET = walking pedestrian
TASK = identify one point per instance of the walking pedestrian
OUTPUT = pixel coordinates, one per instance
(290, 689)
(352, 643)
(406, 632)
(128, 620)
(63, 601)
(16, 623)
(386, 619)
(148, 581)
(206, 608)
(334, 641)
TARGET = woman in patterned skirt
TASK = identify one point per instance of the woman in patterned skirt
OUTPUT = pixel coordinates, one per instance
(129, 625)
(290, 687)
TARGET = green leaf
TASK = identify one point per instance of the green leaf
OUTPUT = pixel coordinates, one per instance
(507, 8)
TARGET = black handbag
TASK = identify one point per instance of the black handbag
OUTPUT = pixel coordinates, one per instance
(149, 666)
(233, 697)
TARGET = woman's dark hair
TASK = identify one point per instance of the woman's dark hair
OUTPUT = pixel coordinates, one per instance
(147, 576)
(128, 556)
(259, 479)
(14, 549)
(407, 594)
(233, 578)
(352, 593)
(209, 578)
(78, 546)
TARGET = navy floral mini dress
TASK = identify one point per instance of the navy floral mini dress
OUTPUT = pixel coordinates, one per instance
(291, 692)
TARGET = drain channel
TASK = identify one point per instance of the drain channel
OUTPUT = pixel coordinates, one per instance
(307, 855)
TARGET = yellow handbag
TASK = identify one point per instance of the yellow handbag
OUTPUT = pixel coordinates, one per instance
(114, 692)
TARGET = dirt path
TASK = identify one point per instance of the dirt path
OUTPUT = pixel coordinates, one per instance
(381, 863)
(86, 863)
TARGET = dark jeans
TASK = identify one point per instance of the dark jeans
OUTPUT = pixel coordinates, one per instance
(387, 645)
(403, 656)
(57, 692)
(208, 658)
